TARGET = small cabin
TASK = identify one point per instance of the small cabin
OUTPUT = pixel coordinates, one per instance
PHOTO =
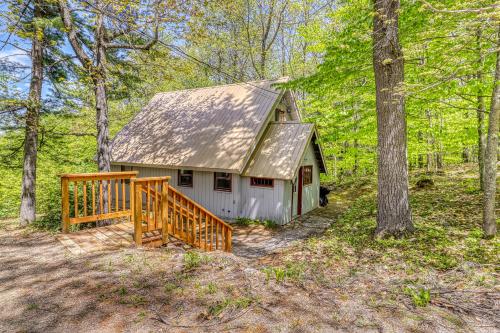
(240, 150)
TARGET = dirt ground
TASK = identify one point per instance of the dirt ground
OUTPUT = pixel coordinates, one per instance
(301, 288)
(45, 289)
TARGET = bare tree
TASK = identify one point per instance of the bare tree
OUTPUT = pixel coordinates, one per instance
(394, 214)
(270, 19)
(33, 106)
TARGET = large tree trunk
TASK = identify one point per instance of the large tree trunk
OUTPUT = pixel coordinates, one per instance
(101, 106)
(101, 101)
(481, 110)
(491, 154)
(103, 151)
(28, 187)
(393, 215)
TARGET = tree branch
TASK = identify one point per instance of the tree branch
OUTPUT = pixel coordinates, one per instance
(72, 36)
(459, 11)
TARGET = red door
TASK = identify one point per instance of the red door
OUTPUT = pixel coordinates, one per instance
(299, 193)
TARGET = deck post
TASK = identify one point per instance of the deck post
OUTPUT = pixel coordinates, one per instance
(228, 239)
(137, 213)
(132, 196)
(65, 204)
(164, 211)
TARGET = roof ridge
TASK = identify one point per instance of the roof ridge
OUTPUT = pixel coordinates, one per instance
(295, 122)
(249, 83)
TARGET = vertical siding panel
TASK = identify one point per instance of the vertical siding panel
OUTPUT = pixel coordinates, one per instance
(244, 200)
(310, 196)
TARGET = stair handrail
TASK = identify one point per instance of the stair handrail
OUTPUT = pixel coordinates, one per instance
(193, 202)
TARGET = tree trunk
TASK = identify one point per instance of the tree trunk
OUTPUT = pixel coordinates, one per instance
(394, 214)
(430, 142)
(491, 154)
(481, 110)
(101, 106)
(103, 151)
(101, 101)
(263, 55)
(28, 187)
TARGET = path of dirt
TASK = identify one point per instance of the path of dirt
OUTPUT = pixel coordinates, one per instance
(257, 241)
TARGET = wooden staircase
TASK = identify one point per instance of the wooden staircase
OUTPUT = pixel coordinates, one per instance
(157, 210)
(182, 218)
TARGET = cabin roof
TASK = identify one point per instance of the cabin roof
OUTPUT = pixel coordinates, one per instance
(206, 128)
(281, 150)
(220, 128)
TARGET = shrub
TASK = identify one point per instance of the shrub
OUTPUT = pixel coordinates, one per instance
(292, 271)
(243, 221)
(420, 297)
(193, 259)
(51, 220)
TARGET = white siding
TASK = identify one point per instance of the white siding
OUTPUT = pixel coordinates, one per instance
(245, 200)
(287, 201)
(223, 204)
(264, 203)
(310, 193)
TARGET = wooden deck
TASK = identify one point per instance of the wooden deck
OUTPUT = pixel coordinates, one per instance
(158, 211)
(113, 237)
(99, 239)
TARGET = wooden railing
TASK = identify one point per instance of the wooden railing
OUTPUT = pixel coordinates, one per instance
(102, 196)
(93, 197)
(196, 225)
(150, 216)
(186, 219)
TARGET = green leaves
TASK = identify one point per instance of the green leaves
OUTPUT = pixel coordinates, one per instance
(444, 75)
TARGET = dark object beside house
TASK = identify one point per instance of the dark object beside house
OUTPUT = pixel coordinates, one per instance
(323, 199)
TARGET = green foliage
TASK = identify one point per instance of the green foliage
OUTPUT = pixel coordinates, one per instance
(193, 259)
(245, 221)
(169, 287)
(238, 303)
(420, 297)
(447, 219)
(292, 271)
(442, 60)
(212, 288)
(270, 224)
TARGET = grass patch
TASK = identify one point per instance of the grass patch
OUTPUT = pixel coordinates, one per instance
(32, 306)
(292, 271)
(447, 219)
(420, 296)
(193, 259)
(211, 288)
(218, 307)
(245, 221)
